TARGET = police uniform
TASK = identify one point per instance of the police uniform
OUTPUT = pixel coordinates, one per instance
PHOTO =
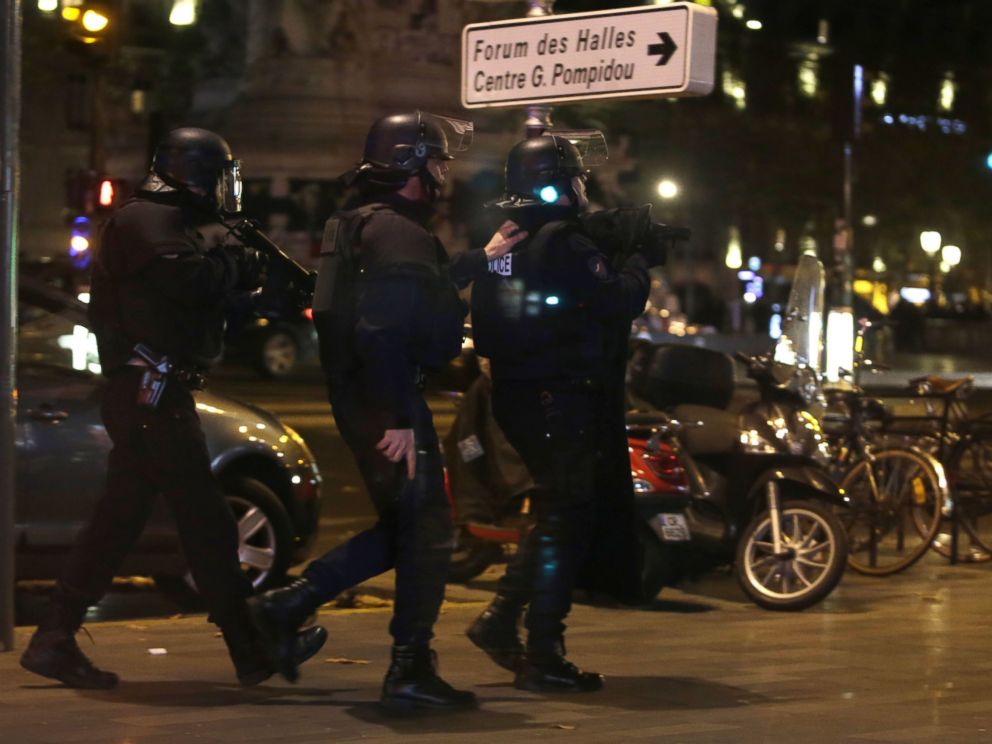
(546, 322)
(386, 309)
(408, 319)
(154, 283)
(548, 317)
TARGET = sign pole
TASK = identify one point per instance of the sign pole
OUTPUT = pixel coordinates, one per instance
(10, 94)
(538, 117)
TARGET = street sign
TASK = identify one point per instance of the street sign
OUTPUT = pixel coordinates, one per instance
(656, 51)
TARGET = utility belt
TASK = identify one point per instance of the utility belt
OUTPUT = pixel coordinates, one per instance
(158, 371)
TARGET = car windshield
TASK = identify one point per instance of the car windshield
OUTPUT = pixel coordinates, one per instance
(51, 330)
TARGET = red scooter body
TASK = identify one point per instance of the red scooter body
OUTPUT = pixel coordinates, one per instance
(657, 474)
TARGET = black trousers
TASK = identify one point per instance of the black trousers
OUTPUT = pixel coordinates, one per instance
(554, 426)
(414, 533)
(157, 451)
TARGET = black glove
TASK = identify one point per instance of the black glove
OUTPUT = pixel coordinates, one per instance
(250, 265)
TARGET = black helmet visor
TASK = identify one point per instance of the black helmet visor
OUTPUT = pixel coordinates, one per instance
(455, 135)
(591, 144)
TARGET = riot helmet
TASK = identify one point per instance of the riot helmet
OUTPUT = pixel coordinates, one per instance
(200, 162)
(400, 145)
(539, 170)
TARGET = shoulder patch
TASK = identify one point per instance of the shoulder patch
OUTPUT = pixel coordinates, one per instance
(598, 268)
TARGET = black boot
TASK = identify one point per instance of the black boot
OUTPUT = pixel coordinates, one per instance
(545, 669)
(495, 632)
(55, 654)
(52, 651)
(278, 614)
(412, 683)
(253, 660)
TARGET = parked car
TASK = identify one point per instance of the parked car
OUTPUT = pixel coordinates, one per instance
(269, 475)
(274, 345)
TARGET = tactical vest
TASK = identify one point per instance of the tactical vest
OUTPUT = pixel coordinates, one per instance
(436, 328)
(335, 297)
(523, 322)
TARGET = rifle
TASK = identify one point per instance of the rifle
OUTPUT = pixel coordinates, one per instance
(288, 287)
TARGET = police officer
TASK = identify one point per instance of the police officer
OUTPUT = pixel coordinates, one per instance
(158, 300)
(386, 309)
(548, 315)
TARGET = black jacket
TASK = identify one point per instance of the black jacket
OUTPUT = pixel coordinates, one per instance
(407, 313)
(154, 282)
(551, 307)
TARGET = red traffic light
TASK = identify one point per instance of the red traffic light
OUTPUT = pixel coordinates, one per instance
(106, 197)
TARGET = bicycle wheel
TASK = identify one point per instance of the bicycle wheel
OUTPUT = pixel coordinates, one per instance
(969, 473)
(895, 501)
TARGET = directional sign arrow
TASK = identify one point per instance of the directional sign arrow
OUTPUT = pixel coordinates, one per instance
(666, 48)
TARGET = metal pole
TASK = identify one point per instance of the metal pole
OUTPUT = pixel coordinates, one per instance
(538, 116)
(848, 262)
(10, 94)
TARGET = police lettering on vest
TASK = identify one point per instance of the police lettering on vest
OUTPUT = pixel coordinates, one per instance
(503, 265)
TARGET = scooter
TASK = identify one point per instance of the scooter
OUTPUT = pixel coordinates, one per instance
(490, 505)
(758, 493)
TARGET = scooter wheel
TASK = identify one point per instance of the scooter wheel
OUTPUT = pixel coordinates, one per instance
(656, 564)
(809, 566)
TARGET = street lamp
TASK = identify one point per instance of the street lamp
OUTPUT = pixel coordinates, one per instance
(667, 189)
(951, 255)
(183, 13)
(930, 243)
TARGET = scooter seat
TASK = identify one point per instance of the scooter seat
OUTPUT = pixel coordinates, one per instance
(718, 433)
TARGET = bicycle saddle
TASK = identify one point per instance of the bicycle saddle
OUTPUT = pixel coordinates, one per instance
(960, 386)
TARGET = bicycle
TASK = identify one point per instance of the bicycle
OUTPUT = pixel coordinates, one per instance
(964, 445)
(896, 495)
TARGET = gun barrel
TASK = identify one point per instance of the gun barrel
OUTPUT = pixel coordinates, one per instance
(249, 233)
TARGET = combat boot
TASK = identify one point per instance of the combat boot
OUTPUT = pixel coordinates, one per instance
(253, 659)
(412, 683)
(278, 614)
(55, 654)
(545, 669)
(495, 632)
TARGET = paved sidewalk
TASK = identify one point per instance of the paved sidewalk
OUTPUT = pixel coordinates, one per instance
(902, 659)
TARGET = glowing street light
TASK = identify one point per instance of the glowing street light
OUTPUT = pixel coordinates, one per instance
(667, 188)
(183, 13)
(951, 255)
(734, 259)
(94, 21)
(930, 242)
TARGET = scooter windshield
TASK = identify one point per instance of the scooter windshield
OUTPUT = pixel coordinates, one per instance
(801, 343)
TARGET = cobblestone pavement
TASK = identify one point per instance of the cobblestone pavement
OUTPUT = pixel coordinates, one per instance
(899, 659)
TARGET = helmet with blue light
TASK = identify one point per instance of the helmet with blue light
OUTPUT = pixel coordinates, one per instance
(540, 170)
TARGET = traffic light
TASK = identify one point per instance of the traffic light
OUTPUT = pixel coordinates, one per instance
(88, 193)
(106, 193)
(80, 237)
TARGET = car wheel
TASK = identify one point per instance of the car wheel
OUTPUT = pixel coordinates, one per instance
(265, 542)
(277, 355)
